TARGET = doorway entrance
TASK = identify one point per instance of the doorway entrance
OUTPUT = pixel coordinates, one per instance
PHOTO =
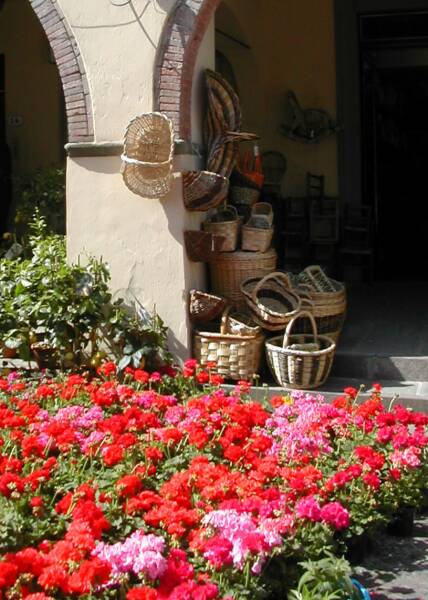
(394, 96)
(382, 84)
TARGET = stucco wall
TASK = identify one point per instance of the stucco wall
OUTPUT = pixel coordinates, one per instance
(141, 239)
(33, 90)
(292, 48)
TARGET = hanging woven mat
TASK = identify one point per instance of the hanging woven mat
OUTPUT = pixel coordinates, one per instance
(300, 361)
(271, 301)
(147, 156)
(202, 246)
(236, 356)
(203, 190)
(204, 307)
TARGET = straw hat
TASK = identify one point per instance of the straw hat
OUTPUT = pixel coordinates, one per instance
(148, 154)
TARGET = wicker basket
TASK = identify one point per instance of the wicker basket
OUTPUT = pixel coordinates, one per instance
(204, 307)
(202, 246)
(241, 323)
(229, 270)
(257, 234)
(263, 209)
(147, 156)
(203, 190)
(224, 222)
(243, 190)
(271, 302)
(297, 367)
(329, 306)
(236, 356)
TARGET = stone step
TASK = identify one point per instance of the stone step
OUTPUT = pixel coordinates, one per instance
(374, 366)
(412, 394)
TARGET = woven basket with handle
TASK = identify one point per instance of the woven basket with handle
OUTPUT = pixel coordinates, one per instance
(224, 222)
(301, 361)
(236, 356)
(257, 234)
(271, 301)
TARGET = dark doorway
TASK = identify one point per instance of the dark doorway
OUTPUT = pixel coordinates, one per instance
(5, 161)
(394, 121)
(395, 161)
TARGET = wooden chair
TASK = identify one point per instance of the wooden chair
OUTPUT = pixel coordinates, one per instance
(357, 247)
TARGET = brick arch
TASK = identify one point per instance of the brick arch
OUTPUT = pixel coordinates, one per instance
(71, 69)
(178, 49)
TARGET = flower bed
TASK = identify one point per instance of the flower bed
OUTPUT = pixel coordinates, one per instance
(152, 488)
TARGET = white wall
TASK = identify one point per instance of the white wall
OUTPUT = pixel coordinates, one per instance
(141, 239)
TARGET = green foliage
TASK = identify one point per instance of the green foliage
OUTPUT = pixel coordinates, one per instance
(64, 313)
(42, 190)
(324, 579)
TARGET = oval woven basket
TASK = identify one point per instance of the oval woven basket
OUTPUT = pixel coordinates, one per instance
(270, 300)
(236, 356)
(147, 155)
(224, 222)
(229, 269)
(301, 361)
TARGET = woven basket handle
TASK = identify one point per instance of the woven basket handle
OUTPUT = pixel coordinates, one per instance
(275, 275)
(225, 320)
(300, 315)
(307, 302)
(135, 161)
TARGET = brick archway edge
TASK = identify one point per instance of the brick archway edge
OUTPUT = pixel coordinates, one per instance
(178, 49)
(71, 69)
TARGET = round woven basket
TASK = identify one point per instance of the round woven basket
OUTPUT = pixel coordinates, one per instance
(292, 365)
(147, 156)
(229, 270)
(236, 356)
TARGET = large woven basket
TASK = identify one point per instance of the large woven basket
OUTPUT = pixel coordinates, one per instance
(236, 356)
(204, 307)
(230, 269)
(224, 222)
(147, 155)
(301, 361)
(271, 301)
